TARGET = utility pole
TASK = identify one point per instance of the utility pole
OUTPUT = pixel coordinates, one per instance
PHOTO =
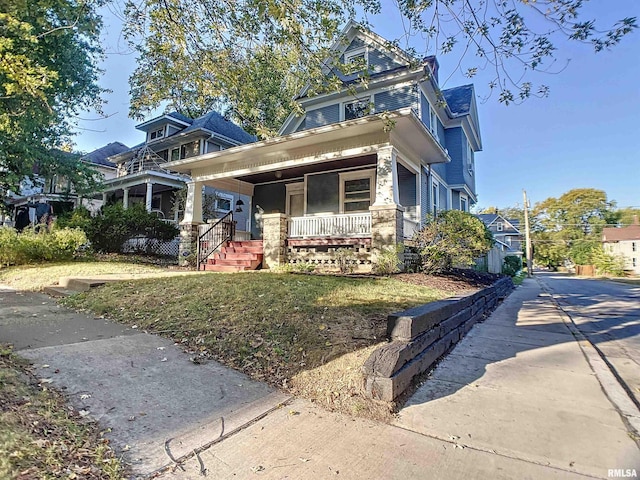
(527, 234)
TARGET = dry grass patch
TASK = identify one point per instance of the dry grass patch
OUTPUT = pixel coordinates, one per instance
(36, 277)
(40, 437)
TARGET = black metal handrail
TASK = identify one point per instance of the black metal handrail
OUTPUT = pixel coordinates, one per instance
(220, 232)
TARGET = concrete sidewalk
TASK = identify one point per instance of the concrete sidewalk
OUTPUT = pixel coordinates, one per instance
(157, 403)
(516, 398)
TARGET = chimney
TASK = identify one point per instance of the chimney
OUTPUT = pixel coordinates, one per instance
(432, 61)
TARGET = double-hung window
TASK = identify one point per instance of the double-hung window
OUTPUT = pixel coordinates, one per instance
(356, 191)
(156, 134)
(435, 198)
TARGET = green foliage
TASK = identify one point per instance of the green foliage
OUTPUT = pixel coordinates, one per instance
(299, 267)
(582, 251)
(31, 245)
(49, 51)
(114, 225)
(511, 265)
(575, 218)
(607, 264)
(453, 238)
(389, 260)
(252, 58)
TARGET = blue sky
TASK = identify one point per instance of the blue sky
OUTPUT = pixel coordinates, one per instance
(586, 134)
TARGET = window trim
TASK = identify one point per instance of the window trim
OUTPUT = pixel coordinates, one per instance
(435, 200)
(499, 226)
(226, 196)
(357, 175)
(356, 52)
(433, 122)
(470, 166)
(155, 132)
(466, 201)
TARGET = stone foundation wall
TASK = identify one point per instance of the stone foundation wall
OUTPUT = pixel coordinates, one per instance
(421, 335)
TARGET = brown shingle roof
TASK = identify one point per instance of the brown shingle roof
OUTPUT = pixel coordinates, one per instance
(630, 232)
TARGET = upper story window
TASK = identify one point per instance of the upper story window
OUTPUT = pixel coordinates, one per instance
(499, 226)
(156, 134)
(357, 109)
(433, 122)
(469, 158)
(359, 57)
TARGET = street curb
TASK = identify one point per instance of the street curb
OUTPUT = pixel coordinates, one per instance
(611, 384)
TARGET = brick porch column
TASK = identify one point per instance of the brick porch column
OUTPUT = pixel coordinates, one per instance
(189, 224)
(274, 238)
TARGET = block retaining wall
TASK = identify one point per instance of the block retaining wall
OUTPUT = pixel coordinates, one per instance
(421, 335)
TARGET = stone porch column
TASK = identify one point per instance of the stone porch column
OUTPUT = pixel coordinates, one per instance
(274, 238)
(125, 198)
(386, 212)
(149, 196)
(189, 224)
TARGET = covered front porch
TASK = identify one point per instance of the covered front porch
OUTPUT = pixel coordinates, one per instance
(353, 187)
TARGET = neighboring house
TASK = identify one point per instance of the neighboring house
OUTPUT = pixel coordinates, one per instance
(505, 231)
(359, 169)
(56, 191)
(508, 241)
(143, 178)
(624, 241)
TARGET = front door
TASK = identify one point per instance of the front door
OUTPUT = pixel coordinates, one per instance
(295, 199)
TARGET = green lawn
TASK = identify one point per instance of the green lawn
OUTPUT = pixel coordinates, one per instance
(40, 437)
(268, 325)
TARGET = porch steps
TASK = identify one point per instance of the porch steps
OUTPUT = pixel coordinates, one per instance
(236, 256)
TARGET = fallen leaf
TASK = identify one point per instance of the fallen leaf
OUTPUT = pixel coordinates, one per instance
(85, 396)
(45, 380)
(164, 359)
(257, 468)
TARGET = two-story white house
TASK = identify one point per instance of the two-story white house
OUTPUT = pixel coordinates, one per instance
(624, 242)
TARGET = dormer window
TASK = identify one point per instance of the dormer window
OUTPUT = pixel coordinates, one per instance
(357, 56)
(357, 109)
(156, 134)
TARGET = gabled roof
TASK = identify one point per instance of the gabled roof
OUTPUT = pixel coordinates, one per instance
(630, 232)
(459, 99)
(99, 156)
(490, 218)
(216, 123)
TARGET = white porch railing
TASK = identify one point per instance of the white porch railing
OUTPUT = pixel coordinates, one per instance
(409, 227)
(343, 225)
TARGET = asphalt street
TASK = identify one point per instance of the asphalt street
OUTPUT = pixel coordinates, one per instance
(608, 314)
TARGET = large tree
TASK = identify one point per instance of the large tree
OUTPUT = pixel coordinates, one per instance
(570, 226)
(49, 51)
(197, 55)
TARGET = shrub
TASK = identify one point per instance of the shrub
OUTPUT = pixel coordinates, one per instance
(389, 260)
(345, 259)
(39, 245)
(452, 239)
(607, 264)
(114, 225)
(511, 265)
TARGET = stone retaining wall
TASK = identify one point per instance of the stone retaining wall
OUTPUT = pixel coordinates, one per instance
(421, 335)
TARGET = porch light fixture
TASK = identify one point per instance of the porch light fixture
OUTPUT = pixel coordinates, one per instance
(239, 202)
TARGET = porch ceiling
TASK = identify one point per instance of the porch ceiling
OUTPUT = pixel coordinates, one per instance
(341, 141)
